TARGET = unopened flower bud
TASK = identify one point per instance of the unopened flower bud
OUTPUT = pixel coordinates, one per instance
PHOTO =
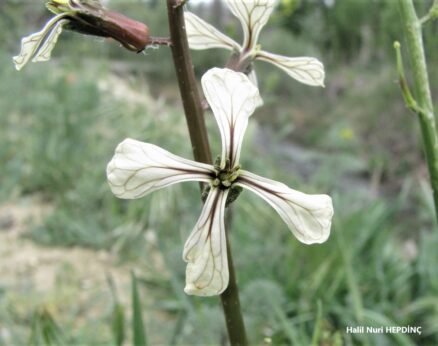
(91, 18)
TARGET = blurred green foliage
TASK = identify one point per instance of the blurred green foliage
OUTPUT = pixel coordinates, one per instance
(60, 122)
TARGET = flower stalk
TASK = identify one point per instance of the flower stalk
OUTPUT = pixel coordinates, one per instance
(423, 99)
(187, 83)
(432, 14)
(230, 300)
(201, 150)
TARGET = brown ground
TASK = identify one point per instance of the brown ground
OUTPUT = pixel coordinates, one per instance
(21, 257)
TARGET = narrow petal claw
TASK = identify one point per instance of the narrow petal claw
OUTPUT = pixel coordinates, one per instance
(253, 15)
(232, 98)
(202, 35)
(206, 249)
(306, 70)
(309, 217)
(39, 46)
(138, 169)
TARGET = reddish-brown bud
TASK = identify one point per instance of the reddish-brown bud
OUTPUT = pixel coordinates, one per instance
(91, 18)
(132, 34)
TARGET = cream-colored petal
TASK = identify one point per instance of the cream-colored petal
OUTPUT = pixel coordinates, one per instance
(306, 70)
(232, 98)
(39, 46)
(205, 251)
(139, 168)
(253, 78)
(202, 35)
(309, 217)
(253, 15)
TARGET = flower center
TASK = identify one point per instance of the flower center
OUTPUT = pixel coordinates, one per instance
(224, 179)
(226, 176)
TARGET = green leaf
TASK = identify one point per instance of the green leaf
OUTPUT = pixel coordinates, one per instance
(317, 330)
(44, 330)
(118, 315)
(137, 318)
(118, 324)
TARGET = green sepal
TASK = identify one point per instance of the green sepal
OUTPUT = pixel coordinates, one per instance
(235, 191)
(59, 6)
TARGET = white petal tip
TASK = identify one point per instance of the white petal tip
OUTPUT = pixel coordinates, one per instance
(17, 66)
(309, 217)
(205, 250)
(321, 83)
(192, 290)
(202, 35)
(309, 71)
(233, 98)
(138, 169)
(253, 15)
(324, 214)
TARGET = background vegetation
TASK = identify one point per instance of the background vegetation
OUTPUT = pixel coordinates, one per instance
(354, 139)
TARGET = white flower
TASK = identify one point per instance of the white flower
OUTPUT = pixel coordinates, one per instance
(253, 15)
(85, 17)
(139, 168)
(39, 46)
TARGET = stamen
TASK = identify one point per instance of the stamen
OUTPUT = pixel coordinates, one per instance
(226, 183)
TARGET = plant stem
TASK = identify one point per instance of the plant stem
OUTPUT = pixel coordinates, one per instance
(422, 92)
(432, 14)
(201, 151)
(230, 299)
(187, 83)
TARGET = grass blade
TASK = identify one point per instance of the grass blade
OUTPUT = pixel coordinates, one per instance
(118, 324)
(137, 317)
(317, 330)
(118, 315)
(45, 330)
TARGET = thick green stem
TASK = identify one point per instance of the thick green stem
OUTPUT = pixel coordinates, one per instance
(422, 92)
(201, 151)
